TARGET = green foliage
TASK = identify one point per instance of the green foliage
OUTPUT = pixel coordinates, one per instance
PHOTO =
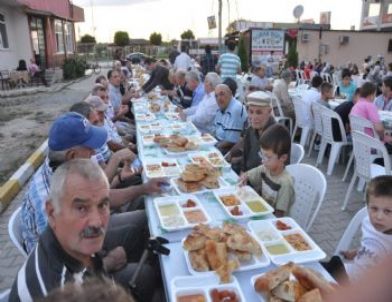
(73, 68)
(188, 34)
(242, 53)
(292, 56)
(87, 39)
(121, 38)
(156, 38)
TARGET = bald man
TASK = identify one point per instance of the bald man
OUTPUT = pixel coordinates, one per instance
(229, 120)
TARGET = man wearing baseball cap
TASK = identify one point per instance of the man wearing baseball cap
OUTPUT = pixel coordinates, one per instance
(73, 136)
(244, 155)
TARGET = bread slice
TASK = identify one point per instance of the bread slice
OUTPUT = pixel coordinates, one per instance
(311, 280)
(273, 278)
(289, 291)
(311, 296)
(189, 186)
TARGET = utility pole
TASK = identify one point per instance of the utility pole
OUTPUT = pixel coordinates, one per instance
(220, 26)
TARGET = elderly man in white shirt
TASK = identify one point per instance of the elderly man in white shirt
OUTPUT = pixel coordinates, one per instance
(204, 114)
(183, 60)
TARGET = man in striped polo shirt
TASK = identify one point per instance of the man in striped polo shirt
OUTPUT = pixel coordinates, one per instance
(229, 64)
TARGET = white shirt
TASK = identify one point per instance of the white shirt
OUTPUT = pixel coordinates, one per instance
(374, 247)
(310, 96)
(183, 61)
(204, 114)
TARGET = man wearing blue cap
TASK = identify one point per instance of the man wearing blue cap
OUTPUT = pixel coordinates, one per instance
(73, 136)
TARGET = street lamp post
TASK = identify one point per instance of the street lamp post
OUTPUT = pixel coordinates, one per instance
(220, 26)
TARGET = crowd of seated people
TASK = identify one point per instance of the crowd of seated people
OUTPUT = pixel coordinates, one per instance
(83, 213)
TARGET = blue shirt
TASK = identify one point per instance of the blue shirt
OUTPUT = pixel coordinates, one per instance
(382, 103)
(33, 214)
(198, 95)
(230, 123)
(348, 90)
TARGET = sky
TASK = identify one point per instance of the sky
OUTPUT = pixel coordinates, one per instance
(171, 17)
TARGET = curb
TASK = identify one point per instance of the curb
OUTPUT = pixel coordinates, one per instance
(16, 182)
(35, 90)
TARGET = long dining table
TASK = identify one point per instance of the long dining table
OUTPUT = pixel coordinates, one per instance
(174, 265)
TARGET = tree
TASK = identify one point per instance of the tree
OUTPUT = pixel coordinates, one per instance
(87, 39)
(188, 34)
(121, 38)
(232, 25)
(243, 54)
(156, 38)
(292, 56)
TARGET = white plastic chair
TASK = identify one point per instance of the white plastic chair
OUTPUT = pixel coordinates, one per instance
(327, 116)
(310, 186)
(359, 124)
(4, 296)
(363, 147)
(281, 118)
(317, 124)
(301, 110)
(326, 77)
(349, 234)
(297, 153)
(300, 76)
(15, 231)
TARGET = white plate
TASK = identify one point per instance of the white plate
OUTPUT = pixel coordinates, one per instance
(177, 202)
(148, 139)
(222, 163)
(243, 195)
(265, 299)
(222, 184)
(255, 263)
(259, 227)
(154, 127)
(188, 285)
(163, 170)
(204, 140)
(145, 117)
(173, 116)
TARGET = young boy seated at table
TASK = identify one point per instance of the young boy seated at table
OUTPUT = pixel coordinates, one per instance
(326, 94)
(376, 240)
(271, 180)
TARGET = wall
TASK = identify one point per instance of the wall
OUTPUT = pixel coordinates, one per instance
(359, 46)
(18, 38)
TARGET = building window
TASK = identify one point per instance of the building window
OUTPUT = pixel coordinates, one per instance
(69, 43)
(389, 10)
(58, 28)
(3, 33)
(374, 9)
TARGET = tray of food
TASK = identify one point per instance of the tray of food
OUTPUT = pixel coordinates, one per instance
(154, 127)
(197, 178)
(284, 241)
(180, 212)
(173, 116)
(205, 289)
(175, 144)
(242, 202)
(222, 250)
(204, 139)
(161, 168)
(291, 282)
(145, 117)
(182, 127)
(214, 158)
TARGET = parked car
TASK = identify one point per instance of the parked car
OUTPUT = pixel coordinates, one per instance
(136, 57)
